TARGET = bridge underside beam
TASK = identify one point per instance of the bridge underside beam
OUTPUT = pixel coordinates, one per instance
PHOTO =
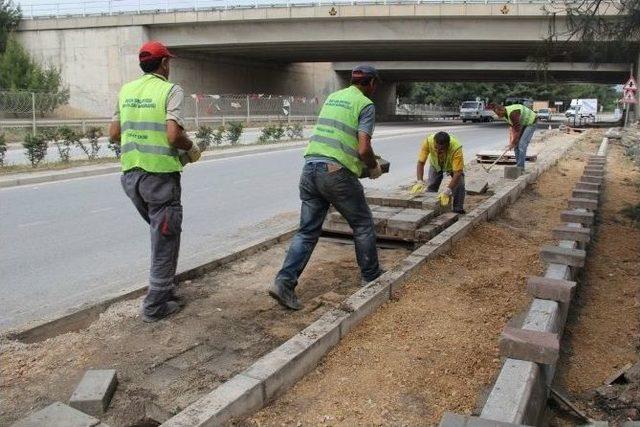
(494, 71)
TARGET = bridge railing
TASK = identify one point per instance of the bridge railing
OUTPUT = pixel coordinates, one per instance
(32, 9)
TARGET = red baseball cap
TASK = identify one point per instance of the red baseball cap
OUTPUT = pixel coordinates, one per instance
(154, 50)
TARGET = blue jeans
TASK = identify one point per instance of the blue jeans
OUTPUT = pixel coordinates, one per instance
(521, 149)
(319, 189)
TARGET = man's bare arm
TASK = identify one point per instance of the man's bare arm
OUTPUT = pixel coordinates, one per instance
(365, 150)
(177, 136)
(114, 131)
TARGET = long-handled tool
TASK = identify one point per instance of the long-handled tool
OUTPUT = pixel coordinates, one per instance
(496, 161)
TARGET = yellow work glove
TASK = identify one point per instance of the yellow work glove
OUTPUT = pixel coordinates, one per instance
(445, 197)
(418, 188)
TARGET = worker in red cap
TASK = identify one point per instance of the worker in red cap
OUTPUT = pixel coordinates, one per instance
(339, 153)
(149, 127)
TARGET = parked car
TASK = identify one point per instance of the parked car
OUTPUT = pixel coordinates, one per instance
(544, 114)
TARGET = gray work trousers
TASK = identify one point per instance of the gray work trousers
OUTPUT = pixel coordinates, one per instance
(157, 197)
(435, 179)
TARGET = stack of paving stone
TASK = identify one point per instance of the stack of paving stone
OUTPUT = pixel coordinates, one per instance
(399, 216)
(532, 349)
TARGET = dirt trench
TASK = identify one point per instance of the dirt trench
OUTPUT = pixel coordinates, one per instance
(433, 348)
(228, 323)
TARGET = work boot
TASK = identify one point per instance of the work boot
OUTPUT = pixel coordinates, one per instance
(285, 295)
(364, 282)
(170, 308)
(459, 211)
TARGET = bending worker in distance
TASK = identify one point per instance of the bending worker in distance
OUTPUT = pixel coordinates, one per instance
(337, 155)
(522, 124)
(444, 153)
(149, 127)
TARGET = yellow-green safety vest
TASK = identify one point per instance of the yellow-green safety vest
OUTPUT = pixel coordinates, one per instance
(143, 126)
(527, 115)
(336, 132)
(454, 146)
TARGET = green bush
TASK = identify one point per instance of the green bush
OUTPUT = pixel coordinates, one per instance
(67, 137)
(204, 136)
(3, 148)
(218, 135)
(115, 147)
(234, 132)
(295, 131)
(92, 135)
(271, 133)
(35, 148)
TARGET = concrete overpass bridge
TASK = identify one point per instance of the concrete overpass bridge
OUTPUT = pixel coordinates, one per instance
(308, 49)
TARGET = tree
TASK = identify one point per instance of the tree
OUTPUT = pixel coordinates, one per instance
(9, 19)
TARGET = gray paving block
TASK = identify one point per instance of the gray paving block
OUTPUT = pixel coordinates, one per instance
(335, 217)
(394, 199)
(477, 185)
(576, 234)
(532, 346)
(409, 219)
(585, 194)
(366, 301)
(58, 415)
(93, 395)
(236, 397)
(591, 178)
(426, 232)
(444, 220)
(566, 256)
(580, 203)
(450, 419)
(579, 216)
(587, 186)
(551, 289)
(428, 201)
(512, 172)
(282, 367)
(590, 170)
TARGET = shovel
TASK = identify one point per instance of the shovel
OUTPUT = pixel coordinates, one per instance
(496, 161)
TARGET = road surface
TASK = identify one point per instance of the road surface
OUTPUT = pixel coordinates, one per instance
(70, 243)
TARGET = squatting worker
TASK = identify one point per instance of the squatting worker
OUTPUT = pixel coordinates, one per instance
(149, 126)
(338, 153)
(522, 124)
(444, 153)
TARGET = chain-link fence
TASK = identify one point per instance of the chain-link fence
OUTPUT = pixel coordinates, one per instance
(254, 108)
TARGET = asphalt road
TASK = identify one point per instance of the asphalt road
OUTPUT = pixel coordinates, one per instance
(71, 243)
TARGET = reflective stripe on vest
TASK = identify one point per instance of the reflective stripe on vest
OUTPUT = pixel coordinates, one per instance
(336, 132)
(454, 146)
(143, 114)
(527, 116)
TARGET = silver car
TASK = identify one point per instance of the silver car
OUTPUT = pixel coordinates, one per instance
(544, 114)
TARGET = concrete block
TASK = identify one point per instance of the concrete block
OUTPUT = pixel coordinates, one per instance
(477, 185)
(585, 194)
(425, 251)
(551, 289)
(428, 201)
(93, 395)
(532, 346)
(593, 170)
(397, 199)
(512, 172)
(409, 218)
(579, 216)
(58, 415)
(579, 203)
(560, 255)
(444, 220)
(366, 301)
(236, 397)
(577, 234)
(282, 367)
(450, 419)
(591, 178)
(460, 229)
(426, 232)
(587, 186)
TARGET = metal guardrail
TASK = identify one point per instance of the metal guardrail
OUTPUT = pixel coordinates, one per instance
(47, 9)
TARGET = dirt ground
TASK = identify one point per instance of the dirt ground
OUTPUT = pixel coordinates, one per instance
(434, 348)
(603, 326)
(228, 323)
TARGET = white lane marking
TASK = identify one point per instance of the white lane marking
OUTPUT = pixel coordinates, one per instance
(101, 210)
(31, 224)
